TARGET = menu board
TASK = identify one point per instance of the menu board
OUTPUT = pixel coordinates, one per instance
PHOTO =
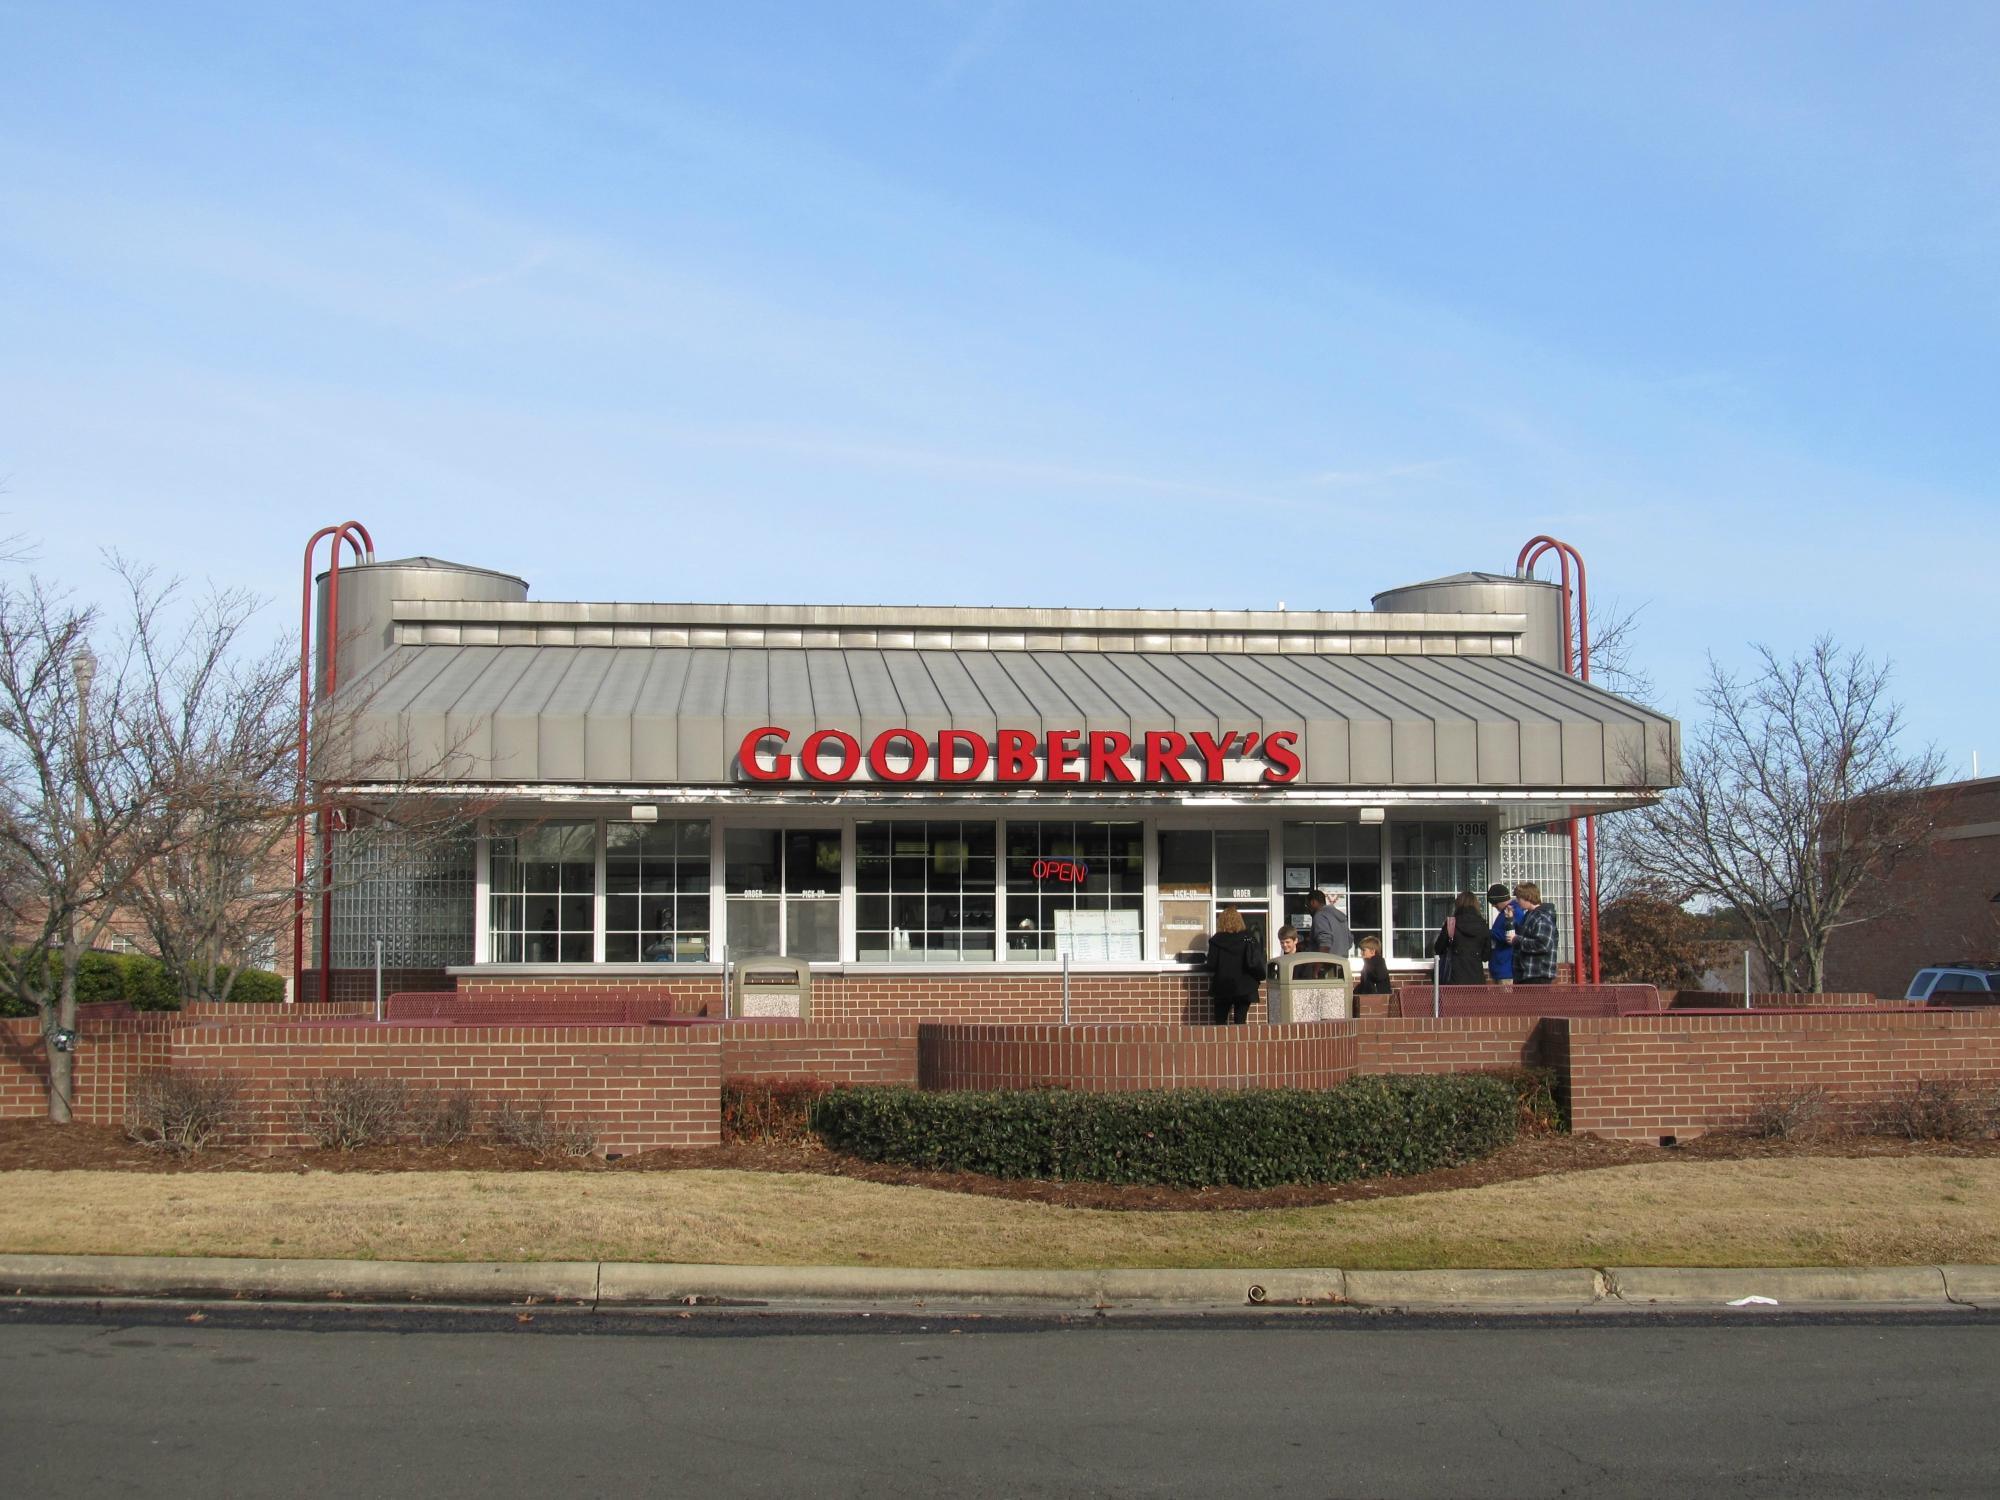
(1096, 937)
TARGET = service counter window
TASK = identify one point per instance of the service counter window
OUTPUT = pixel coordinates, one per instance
(542, 890)
(1202, 871)
(1076, 889)
(783, 890)
(656, 907)
(1343, 859)
(924, 891)
(1429, 864)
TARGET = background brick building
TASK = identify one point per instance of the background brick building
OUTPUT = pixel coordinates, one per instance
(1944, 900)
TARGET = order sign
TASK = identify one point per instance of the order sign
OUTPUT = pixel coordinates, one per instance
(1097, 757)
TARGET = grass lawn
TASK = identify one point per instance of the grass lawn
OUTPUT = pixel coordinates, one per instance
(1799, 1211)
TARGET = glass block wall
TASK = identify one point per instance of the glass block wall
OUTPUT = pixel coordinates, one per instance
(413, 891)
(1543, 857)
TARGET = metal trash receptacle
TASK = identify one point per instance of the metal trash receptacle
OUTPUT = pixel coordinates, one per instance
(1311, 987)
(779, 987)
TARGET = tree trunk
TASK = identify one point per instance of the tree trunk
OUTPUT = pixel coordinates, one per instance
(62, 1064)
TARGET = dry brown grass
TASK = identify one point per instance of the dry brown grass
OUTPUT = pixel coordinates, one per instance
(1802, 1211)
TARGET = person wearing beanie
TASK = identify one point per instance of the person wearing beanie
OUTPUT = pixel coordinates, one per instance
(1505, 915)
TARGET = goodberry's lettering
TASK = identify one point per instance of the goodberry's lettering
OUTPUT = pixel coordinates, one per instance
(1100, 757)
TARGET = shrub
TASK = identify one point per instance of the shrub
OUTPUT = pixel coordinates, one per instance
(1539, 1108)
(530, 1123)
(183, 1111)
(256, 987)
(1935, 1109)
(1367, 1127)
(1790, 1115)
(438, 1118)
(343, 1111)
(770, 1109)
(141, 982)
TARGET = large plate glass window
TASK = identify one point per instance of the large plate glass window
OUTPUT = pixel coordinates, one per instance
(924, 891)
(1429, 864)
(656, 892)
(1076, 888)
(783, 888)
(542, 890)
(1203, 870)
(1335, 857)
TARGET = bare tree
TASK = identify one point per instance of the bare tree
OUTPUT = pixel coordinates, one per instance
(1797, 801)
(81, 810)
(1614, 652)
(222, 727)
(226, 728)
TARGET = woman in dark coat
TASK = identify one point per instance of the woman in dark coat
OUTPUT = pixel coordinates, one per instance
(1465, 942)
(1235, 967)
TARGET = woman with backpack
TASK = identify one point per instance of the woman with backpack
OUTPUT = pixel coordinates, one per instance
(1235, 968)
(1464, 943)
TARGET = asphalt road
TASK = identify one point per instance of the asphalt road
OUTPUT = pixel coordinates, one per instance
(250, 1402)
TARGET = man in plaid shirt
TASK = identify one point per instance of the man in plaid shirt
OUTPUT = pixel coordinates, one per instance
(1534, 937)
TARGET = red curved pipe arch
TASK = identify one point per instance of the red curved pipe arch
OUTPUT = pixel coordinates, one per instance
(1576, 663)
(357, 539)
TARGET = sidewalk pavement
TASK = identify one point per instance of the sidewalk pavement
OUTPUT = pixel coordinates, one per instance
(626, 1284)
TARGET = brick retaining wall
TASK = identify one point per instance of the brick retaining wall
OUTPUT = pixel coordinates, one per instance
(1109, 1059)
(643, 1089)
(1457, 1044)
(1172, 997)
(1637, 1077)
(1526, 1000)
(1641, 1078)
(835, 1051)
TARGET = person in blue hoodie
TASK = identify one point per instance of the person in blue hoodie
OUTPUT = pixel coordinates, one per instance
(1505, 915)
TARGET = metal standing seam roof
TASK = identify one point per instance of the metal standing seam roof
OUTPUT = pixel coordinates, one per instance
(621, 715)
(627, 715)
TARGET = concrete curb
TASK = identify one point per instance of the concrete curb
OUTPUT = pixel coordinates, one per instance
(298, 1280)
(623, 1284)
(1872, 1284)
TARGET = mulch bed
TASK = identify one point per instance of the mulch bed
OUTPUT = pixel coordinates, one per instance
(33, 1145)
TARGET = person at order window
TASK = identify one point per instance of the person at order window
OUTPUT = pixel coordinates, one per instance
(1463, 943)
(661, 949)
(1235, 968)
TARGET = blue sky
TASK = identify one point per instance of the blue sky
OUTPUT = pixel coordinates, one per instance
(1180, 304)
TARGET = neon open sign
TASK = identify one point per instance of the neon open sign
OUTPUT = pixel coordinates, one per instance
(1064, 871)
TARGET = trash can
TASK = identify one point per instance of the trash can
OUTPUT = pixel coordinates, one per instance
(1310, 987)
(770, 987)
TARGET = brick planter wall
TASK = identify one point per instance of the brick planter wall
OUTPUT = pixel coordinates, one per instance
(114, 1046)
(835, 1052)
(1457, 1044)
(642, 1088)
(1722, 1000)
(1109, 1059)
(1640, 1078)
(1415, 1001)
(1168, 998)
(359, 984)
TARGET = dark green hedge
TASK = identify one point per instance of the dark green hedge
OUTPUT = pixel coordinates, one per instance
(1367, 1127)
(143, 983)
